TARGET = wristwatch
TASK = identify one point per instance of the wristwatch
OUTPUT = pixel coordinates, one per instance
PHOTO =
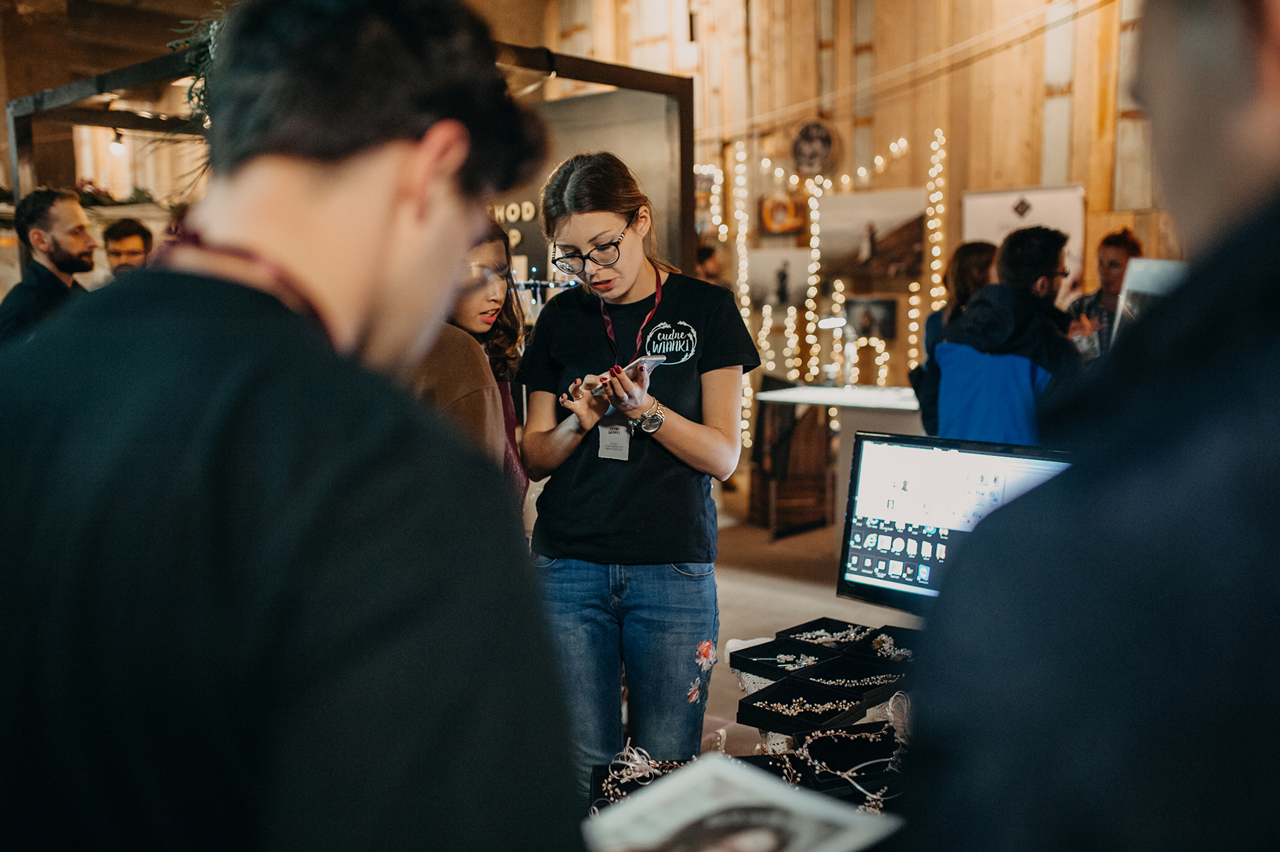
(651, 420)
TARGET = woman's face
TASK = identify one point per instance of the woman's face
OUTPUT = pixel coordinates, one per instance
(583, 232)
(485, 290)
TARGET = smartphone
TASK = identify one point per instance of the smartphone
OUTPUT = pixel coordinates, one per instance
(647, 361)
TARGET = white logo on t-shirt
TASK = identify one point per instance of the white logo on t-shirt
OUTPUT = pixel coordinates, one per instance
(677, 342)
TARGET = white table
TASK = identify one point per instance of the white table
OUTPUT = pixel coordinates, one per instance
(861, 408)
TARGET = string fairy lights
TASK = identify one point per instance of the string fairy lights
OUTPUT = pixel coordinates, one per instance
(881, 360)
(790, 352)
(815, 187)
(764, 341)
(741, 225)
(934, 239)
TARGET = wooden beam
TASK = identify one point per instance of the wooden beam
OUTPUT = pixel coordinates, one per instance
(123, 120)
(169, 67)
(121, 27)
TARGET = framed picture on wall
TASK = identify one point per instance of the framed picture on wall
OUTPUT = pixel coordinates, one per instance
(782, 214)
(873, 317)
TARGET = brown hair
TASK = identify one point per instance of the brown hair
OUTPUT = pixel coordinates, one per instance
(502, 342)
(1125, 240)
(591, 183)
(967, 273)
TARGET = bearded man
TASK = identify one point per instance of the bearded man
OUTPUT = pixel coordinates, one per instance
(54, 228)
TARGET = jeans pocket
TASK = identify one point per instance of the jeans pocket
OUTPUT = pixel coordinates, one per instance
(693, 570)
(540, 561)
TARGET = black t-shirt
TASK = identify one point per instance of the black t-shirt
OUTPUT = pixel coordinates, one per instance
(252, 596)
(652, 508)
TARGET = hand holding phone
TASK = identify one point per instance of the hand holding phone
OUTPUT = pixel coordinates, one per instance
(632, 370)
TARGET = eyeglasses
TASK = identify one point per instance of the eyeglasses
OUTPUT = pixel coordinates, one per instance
(605, 254)
(479, 275)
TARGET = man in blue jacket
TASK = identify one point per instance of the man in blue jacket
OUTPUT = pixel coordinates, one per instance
(994, 365)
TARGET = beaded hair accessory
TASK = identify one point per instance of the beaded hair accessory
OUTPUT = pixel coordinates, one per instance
(787, 662)
(884, 646)
(874, 680)
(802, 705)
(632, 765)
(828, 639)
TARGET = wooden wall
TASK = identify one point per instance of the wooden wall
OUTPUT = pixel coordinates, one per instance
(881, 70)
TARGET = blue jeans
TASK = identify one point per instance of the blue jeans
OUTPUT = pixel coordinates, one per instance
(662, 622)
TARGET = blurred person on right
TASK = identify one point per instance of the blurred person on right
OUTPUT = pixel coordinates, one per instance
(1100, 672)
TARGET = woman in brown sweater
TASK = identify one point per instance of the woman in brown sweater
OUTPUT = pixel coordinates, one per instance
(467, 374)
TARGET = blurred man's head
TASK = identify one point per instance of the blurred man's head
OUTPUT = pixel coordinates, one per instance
(392, 112)
(1114, 253)
(128, 244)
(708, 267)
(1032, 259)
(1209, 80)
(53, 225)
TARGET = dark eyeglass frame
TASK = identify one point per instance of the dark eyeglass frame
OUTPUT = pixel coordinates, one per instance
(576, 264)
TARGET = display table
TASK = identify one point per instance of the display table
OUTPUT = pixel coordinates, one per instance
(861, 408)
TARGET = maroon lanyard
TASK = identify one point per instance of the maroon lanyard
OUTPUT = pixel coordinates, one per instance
(608, 323)
(279, 276)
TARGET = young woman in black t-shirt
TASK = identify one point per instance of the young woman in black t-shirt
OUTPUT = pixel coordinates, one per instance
(626, 529)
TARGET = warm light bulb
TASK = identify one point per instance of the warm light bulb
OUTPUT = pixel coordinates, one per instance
(117, 145)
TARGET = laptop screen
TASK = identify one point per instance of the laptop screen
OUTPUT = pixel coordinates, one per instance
(912, 500)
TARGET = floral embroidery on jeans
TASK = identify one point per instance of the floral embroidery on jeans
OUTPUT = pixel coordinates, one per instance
(706, 655)
(695, 690)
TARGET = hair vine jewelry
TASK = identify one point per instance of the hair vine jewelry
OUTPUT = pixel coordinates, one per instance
(874, 680)
(632, 765)
(828, 639)
(787, 662)
(874, 801)
(802, 705)
(884, 647)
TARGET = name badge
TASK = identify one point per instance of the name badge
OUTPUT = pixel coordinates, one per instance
(615, 442)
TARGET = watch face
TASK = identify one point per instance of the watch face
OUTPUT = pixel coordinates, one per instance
(652, 422)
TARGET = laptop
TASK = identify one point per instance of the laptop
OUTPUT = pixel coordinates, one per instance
(913, 500)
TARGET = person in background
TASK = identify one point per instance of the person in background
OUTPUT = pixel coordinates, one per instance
(253, 595)
(1100, 670)
(709, 268)
(996, 363)
(54, 228)
(1095, 314)
(468, 372)
(972, 267)
(128, 244)
(625, 539)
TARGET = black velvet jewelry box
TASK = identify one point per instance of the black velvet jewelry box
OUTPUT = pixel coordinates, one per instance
(753, 712)
(903, 638)
(842, 754)
(833, 626)
(761, 660)
(843, 674)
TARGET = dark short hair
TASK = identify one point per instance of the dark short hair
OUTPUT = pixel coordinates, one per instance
(705, 253)
(122, 229)
(324, 80)
(33, 210)
(1028, 255)
(1125, 240)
